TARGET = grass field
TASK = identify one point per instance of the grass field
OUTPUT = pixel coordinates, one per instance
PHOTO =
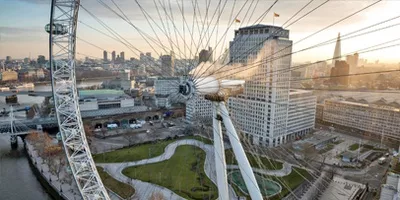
(122, 189)
(140, 152)
(183, 173)
(267, 163)
(354, 147)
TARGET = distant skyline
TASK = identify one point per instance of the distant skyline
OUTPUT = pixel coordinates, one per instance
(22, 27)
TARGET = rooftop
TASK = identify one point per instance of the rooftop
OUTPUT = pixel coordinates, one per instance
(101, 94)
(342, 189)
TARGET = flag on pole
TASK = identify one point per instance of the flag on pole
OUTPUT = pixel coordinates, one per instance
(276, 15)
(237, 20)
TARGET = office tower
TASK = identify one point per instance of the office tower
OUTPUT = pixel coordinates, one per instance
(206, 55)
(248, 41)
(262, 110)
(113, 56)
(122, 56)
(105, 55)
(8, 59)
(41, 60)
(339, 73)
(337, 53)
(167, 65)
(352, 60)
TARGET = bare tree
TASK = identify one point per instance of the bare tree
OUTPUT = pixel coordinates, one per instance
(157, 196)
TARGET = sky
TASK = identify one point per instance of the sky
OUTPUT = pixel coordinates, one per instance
(22, 26)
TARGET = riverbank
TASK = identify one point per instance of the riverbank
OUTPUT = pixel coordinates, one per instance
(59, 185)
(42, 180)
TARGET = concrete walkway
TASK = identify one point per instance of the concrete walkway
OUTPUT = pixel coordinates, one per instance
(144, 189)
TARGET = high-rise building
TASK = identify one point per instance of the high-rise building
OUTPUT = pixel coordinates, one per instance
(248, 41)
(167, 65)
(113, 56)
(122, 56)
(339, 73)
(261, 112)
(301, 113)
(206, 55)
(41, 60)
(337, 53)
(27, 61)
(105, 55)
(142, 57)
(352, 60)
(8, 59)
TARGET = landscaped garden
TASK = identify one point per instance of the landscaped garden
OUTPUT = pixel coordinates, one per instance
(266, 163)
(354, 147)
(140, 152)
(122, 189)
(268, 188)
(292, 181)
(183, 173)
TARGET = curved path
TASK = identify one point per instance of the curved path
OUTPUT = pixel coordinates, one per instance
(145, 189)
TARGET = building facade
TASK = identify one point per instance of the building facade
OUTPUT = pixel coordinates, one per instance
(198, 109)
(248, 41)
(113, 56)
(340, 72)
(167, 65)
(105, 56)
(166, 91)
(104, 99)
(206, 55)
(9, 76)
(369, 117)
(301, 113)
(261, 112)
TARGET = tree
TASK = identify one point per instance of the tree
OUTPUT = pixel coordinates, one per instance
(157, 196)
(89, 133)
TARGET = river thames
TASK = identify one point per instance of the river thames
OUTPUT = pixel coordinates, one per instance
(17, 180)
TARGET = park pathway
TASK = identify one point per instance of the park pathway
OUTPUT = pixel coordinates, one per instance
(144, 189)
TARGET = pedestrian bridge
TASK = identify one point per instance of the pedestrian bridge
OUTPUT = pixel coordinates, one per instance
(29, 93)
(15, 126)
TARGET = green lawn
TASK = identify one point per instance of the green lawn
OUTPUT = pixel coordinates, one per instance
(122, 189)
(267, 163)
(354, 147)
(338, 142)
(183, 173)
(327, 148)
(140, 152)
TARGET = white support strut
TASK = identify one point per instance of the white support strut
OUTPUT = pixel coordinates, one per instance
(219, 154)
(244, 165)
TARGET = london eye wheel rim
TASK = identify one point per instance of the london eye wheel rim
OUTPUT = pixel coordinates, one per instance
(64, 15)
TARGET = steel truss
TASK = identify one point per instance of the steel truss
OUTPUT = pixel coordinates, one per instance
(62, 30)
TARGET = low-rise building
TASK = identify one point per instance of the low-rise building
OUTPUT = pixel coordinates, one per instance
(389, 191)
(9, 76)
(104, 99)
(379, 117)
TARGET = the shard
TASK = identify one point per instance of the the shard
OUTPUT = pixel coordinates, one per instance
(337, 54)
